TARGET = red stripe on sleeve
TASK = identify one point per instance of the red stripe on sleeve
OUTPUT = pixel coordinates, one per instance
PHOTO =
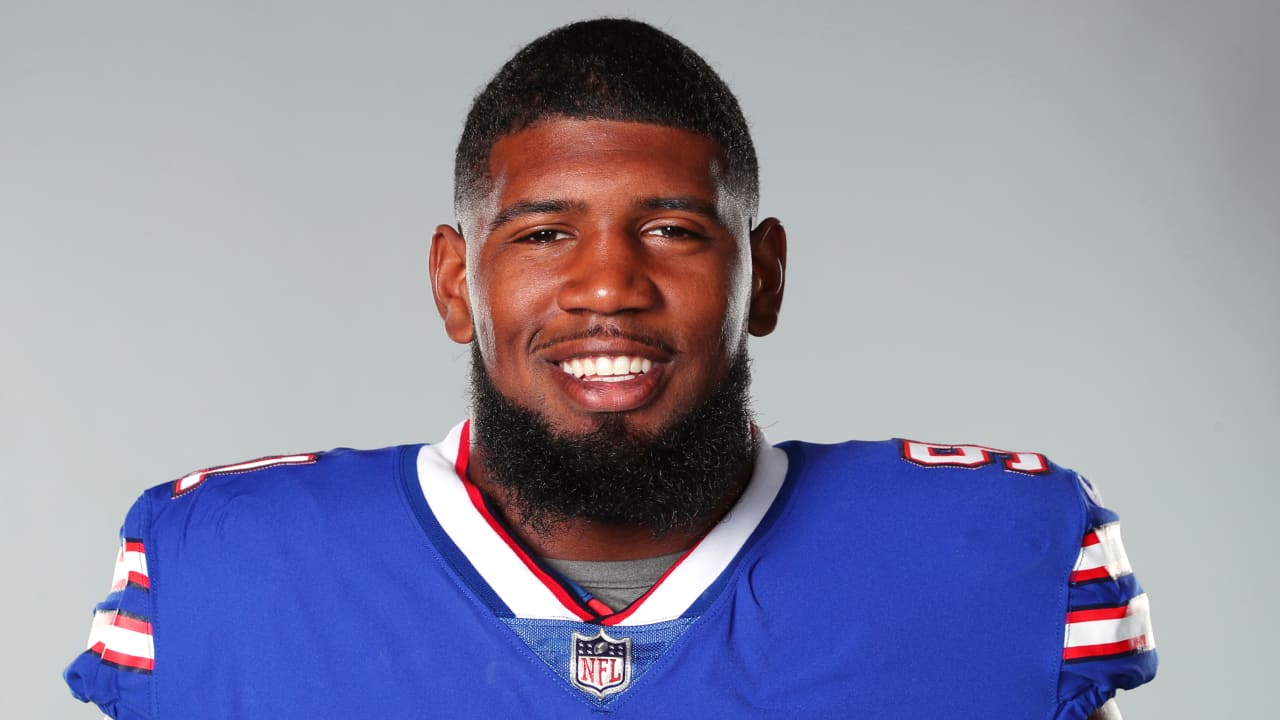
(1106, 613)
(136, 579)
(119, 658)
(1098, 573)
(134, 624)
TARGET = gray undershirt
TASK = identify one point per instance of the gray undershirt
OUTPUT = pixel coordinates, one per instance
(616, 583)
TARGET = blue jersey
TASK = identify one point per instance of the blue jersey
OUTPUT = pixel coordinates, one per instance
(865, 579)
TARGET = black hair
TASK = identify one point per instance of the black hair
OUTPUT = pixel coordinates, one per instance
(606, 69)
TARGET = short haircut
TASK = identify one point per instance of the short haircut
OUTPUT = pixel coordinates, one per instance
(606, 69)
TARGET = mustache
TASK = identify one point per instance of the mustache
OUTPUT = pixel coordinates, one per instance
(609, 331)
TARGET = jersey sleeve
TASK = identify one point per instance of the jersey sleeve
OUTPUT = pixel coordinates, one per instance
(114, 672)
(1108, 644)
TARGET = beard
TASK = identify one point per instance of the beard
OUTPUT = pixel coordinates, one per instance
(675, 479)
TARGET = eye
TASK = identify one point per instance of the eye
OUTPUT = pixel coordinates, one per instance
(675, 232)
(542, 237)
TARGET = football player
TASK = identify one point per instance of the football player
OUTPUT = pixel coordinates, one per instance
(609, 532)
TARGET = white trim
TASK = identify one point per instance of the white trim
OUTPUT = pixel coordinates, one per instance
(496, 562)
(526, 595)
(118, 639)
(1136, 623)
(1108, 552)
(128, 561)
(187, 482)
(711, 556)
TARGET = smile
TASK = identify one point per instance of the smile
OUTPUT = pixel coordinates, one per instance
(607, 368)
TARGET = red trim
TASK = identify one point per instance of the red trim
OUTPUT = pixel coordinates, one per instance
(1136, 644)
(619, 617)
(134, 546)
(134, 578)
(1097, 573)
(464, 451)
(595, 610)
(131, 623)
(119, 658)
(237, 468)
(569, 601)
(932, 458)
(1091, 614)
(1090, 538)
(1013, 458)
(477, 499)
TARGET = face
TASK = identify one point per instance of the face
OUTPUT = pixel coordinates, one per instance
(607, 274)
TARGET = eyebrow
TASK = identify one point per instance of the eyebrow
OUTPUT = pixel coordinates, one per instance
(688, 203)
(531, 207)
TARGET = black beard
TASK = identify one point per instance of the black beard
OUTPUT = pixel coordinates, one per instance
(674, 480)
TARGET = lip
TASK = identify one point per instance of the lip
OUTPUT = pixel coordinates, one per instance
(595, 396)
(619, 396)
(605, 343)
(606, 346)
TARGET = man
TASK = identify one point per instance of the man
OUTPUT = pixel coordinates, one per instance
(609, 533)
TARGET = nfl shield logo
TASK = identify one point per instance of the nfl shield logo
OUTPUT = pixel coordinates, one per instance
(599, 664)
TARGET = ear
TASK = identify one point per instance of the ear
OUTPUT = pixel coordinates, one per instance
(768, 276)
(448, 268)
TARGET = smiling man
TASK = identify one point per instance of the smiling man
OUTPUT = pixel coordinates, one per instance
(609, 533)
(614, 280)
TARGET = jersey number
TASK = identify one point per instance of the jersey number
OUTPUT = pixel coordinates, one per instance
(187, 483)
(972, 456)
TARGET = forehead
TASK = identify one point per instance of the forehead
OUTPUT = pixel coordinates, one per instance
(597, 160)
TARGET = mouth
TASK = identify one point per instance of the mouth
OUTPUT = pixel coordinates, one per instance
(606, 368)
(609, 370)
(599, 380)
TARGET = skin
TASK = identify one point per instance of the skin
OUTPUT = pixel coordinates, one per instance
(617, 227)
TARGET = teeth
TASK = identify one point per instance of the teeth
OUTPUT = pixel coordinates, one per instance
(607, 368)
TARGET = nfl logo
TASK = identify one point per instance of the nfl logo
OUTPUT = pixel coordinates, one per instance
(599, 664)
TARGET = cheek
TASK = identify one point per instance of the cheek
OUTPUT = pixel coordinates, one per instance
(506, 302)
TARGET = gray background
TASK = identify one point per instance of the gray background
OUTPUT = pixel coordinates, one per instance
(1042, 227)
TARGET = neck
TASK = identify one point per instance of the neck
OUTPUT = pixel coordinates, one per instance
(583, 539)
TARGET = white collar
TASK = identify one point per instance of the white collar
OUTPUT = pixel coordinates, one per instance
(529, 593)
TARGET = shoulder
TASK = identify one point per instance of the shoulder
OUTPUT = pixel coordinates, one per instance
(1004, 500)
(267, 490)
(272, 473)
(899, 463)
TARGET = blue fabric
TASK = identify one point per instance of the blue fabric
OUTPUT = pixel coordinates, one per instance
(875, 588)
(546, 638)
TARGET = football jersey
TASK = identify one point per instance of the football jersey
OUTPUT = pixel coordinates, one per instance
(891, 579)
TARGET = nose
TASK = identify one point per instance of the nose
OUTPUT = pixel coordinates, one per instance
(607, 273)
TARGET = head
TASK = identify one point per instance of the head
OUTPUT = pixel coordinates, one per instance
(606, 69)
(606, 271)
